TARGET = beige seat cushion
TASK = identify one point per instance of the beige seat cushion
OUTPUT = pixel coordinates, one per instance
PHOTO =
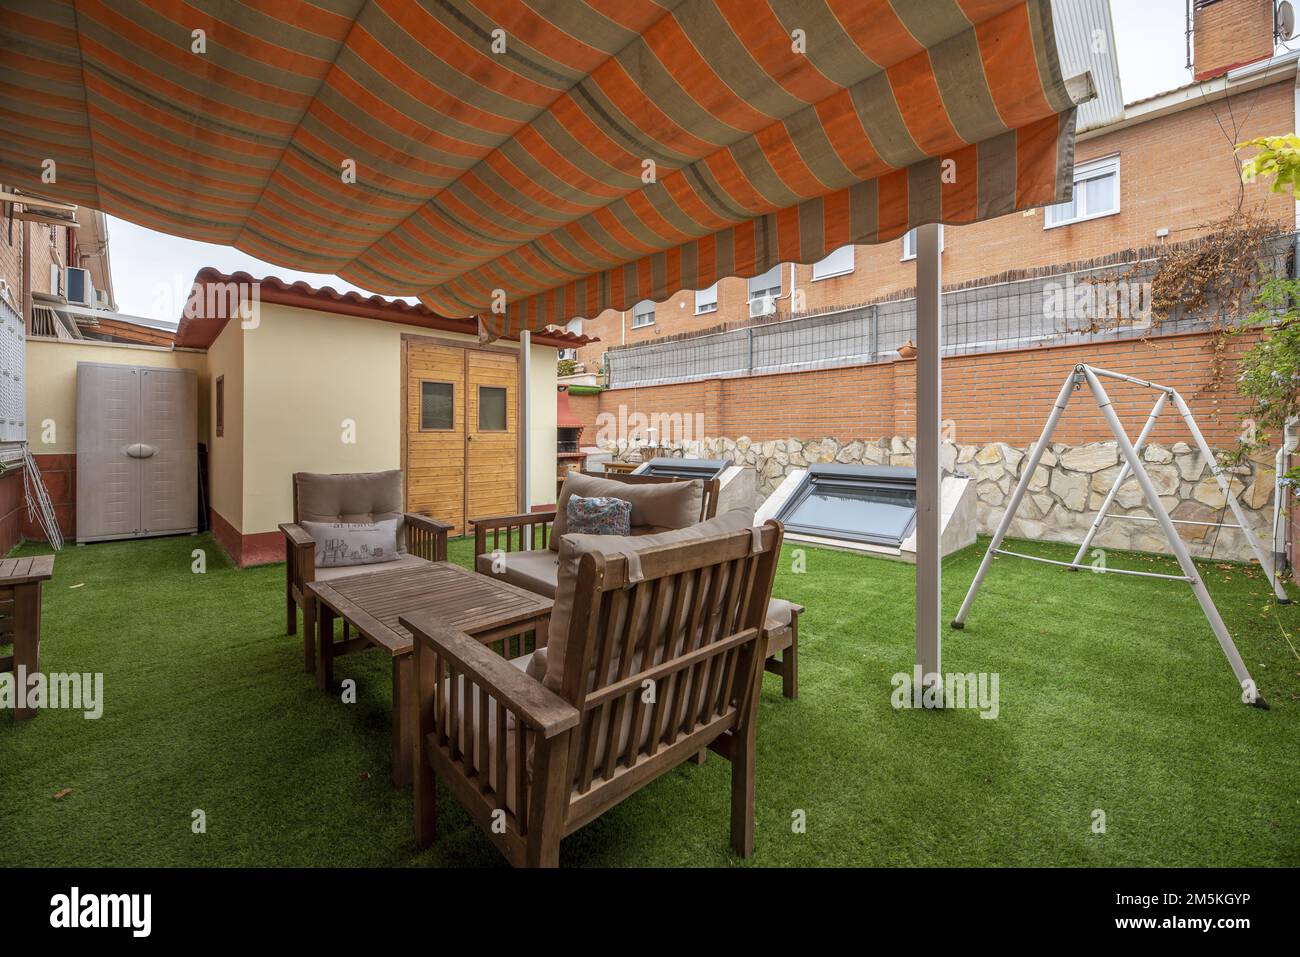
(347, 571)
(780, 613)
(352, 497)
(656, 506)
(573, 547)
(535, 571)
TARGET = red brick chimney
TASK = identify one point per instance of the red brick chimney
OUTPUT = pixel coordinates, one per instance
(1230, 33)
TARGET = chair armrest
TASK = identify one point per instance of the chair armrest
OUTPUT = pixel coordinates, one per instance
(297, 536)
(532, 702)
(432, 524)
(505, 521)
(529, 521)
(426, 537)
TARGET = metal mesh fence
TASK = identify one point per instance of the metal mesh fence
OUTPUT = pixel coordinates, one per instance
(1102, 303)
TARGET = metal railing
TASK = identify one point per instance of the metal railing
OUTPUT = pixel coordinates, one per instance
(1097, 304)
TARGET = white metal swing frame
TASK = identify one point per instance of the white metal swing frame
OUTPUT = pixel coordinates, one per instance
(1131, 453)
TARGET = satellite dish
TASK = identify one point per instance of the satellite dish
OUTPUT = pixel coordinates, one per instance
(1284, 21)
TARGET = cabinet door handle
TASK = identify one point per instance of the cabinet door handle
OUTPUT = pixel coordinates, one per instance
(141, 450)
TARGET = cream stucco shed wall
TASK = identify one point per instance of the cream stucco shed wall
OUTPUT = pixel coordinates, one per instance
(322, 392)
(304, 390)
(52, 384)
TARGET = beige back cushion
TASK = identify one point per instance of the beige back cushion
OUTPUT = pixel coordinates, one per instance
(655, 507)
(352, 497)
(573, 547)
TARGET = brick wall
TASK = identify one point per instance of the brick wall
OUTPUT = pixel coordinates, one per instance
(992, 397)
(42, 254)
(11, 261)
(1230, 33)
(1201, 187)
(12, 508)
(59, 473)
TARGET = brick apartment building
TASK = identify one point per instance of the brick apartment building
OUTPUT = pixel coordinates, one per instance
(39, 241)
(1149, 173)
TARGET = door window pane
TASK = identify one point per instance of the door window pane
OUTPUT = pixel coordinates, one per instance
(436, 406)
(491, 409)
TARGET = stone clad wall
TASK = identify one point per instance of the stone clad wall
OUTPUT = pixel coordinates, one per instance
(1065, 493)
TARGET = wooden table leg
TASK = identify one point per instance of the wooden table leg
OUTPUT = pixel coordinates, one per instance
(324, 645)
(27, 641)
(403, 713)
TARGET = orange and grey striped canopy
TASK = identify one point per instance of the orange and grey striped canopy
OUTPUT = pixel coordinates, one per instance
(528, 161)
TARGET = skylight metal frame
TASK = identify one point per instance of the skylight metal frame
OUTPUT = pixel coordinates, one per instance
(705, 469)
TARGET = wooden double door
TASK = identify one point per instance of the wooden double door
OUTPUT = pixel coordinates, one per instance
(461, 434)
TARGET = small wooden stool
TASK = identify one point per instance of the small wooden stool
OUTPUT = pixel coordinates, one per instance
(20, 618)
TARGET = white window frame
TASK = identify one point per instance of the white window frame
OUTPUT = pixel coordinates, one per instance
(827, 269)
(706, 300)
(642, 325)
(911, 234)
(769, 291)
(1093, 169)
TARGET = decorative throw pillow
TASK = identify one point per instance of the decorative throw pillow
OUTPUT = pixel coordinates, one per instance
(353, 543)
(598, 516)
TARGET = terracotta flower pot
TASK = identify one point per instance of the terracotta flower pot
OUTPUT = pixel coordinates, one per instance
(907, 350)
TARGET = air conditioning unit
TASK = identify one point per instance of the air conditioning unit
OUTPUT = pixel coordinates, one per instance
(81, 288)
(762, 306)
(56, 280)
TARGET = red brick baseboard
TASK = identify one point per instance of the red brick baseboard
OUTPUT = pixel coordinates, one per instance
(261, 548)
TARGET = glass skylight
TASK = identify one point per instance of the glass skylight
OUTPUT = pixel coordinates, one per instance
(854, 503)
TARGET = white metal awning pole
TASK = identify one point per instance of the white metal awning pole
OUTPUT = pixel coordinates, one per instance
(525, 419)
(1062, 400)
(929, 391)
(1250, 694)
(1121, 477)
(1265, 562)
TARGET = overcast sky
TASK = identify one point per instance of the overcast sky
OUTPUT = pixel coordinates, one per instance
(152, 272)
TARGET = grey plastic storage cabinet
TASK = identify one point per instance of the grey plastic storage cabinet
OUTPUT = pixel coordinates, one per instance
(137, 451)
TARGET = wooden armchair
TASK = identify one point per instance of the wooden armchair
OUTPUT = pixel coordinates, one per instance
(533, 530)
(663, 658)
(357, 497)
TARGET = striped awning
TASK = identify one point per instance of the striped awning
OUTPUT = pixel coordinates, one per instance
(527, 162)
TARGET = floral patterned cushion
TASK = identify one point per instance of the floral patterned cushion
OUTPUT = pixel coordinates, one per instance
(353, 543)
(598, 516)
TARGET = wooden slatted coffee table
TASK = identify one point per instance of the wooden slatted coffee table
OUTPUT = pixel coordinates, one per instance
(370, 603)
(20, 618)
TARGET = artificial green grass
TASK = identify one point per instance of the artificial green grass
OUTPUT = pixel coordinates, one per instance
(1114, 697)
